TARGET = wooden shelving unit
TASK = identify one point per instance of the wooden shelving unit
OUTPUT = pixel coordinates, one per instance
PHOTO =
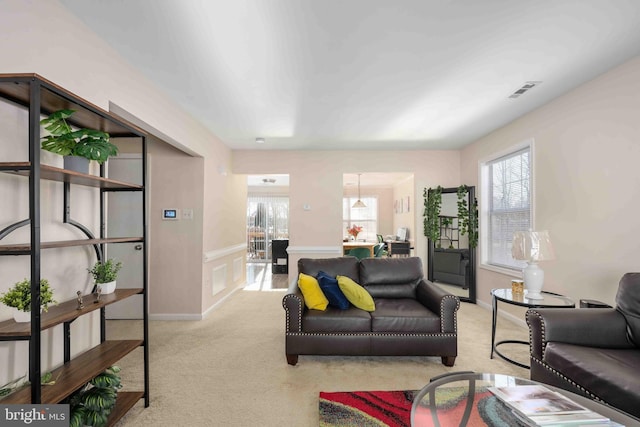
(38, 97)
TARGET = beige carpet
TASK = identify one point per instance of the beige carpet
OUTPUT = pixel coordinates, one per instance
(230, 369)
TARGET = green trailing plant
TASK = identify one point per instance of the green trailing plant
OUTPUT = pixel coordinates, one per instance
(105, 272)
(19, 296)
(65, 141)
(432, 204)
(468, 216)
(93, 403)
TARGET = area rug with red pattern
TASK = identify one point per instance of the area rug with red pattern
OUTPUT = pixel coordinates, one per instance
(366, 408)
(393, 409)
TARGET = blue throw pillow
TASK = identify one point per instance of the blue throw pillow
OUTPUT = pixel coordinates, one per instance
(331, 290)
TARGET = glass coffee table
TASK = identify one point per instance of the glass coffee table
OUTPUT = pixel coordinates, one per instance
(463, 399)
(550, 300)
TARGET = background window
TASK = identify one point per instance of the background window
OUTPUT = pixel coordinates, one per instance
(508, 187)
(367, 218)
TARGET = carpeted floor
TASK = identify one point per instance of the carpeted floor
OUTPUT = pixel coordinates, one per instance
(230, 369)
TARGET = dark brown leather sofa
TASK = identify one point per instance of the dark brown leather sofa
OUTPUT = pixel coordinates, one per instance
(594, 351)
(413, 317)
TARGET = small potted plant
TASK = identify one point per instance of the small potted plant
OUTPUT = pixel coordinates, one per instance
(85, 143)
(105, 274)
(19, 298)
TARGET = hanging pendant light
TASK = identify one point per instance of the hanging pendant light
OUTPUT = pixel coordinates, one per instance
(359, 203)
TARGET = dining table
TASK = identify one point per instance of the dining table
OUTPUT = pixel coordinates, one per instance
(347, 246)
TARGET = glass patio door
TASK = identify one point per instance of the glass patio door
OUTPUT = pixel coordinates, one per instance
(267, 219)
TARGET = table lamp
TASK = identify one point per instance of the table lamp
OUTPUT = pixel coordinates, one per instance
(532, 246)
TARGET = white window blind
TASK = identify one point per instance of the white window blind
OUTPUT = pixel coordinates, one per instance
(367, 218)
(509, 186)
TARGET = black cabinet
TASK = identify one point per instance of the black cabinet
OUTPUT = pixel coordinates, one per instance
(279, 256)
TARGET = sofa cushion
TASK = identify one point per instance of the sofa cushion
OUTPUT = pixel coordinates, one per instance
(403, 315)
(391, 277)
(356, 294)
(314, 299)
(335, 320)
(610, 374)
(340, 266)
(331, 290)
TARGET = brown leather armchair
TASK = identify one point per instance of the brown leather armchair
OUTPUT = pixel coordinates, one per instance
(594, 351)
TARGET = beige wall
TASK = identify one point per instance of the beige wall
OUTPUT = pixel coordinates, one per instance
(587, 152)
(315, 179)
(36, 35)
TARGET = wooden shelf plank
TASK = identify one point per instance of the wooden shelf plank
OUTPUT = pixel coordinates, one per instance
(17, 86)
(126, 400)
(64, 312)
(25, 248)
(63, 175)
(76, 373)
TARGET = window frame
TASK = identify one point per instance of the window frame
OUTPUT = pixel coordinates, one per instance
(348, 222)
(485, 203)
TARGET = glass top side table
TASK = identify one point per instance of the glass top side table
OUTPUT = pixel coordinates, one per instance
(550, 300)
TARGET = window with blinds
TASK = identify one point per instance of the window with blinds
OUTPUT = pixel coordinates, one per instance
(509, 205)
(366, 217)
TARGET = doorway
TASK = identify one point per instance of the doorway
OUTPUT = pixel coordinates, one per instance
(389, 206)
(127, 168)
(267, 216)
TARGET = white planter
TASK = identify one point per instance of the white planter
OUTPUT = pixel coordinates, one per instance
(22, 316)
(107, 288)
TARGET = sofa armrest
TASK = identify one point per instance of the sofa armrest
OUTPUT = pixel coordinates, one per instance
(439, 301)
(597, 327)
(293, 304)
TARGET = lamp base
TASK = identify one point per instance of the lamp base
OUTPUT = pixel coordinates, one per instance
(533, 280)
(531, 295)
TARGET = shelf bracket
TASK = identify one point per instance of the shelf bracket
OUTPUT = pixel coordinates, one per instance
(11, 228)
(66, 218)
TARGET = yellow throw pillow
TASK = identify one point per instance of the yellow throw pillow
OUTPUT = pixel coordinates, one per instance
(314, 298)
(356, 294)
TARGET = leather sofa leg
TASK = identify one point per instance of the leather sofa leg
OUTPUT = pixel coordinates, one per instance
(292, 359)
(448, 360)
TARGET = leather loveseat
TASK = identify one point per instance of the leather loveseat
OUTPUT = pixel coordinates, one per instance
(593, 351)
(412, 316)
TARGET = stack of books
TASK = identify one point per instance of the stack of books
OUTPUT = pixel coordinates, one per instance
(537, 405)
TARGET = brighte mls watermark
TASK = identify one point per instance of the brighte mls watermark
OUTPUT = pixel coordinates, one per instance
(34, 415)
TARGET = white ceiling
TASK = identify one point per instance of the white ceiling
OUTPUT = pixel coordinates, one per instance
(363, 74)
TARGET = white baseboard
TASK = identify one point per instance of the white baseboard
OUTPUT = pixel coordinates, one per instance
(501, 313)
(178, 316)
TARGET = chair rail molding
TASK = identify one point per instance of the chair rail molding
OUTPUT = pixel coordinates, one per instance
(336, 250)
(219, 253)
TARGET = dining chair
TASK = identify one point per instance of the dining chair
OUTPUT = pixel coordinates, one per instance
(360, 253)
(379, 251)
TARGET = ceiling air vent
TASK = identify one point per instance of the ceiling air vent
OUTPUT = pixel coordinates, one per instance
(525, 87)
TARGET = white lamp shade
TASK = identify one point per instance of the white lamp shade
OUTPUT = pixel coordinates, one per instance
(532, 246)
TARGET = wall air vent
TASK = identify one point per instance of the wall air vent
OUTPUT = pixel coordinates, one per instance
(525, 87)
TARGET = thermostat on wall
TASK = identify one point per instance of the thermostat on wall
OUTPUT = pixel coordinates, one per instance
(170, 214)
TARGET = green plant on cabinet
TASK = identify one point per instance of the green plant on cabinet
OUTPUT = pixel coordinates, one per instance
(65, 141)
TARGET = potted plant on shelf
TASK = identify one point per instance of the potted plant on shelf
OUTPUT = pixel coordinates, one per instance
(88, 144)
(93, 403)
(105, 274)
(19, 298)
